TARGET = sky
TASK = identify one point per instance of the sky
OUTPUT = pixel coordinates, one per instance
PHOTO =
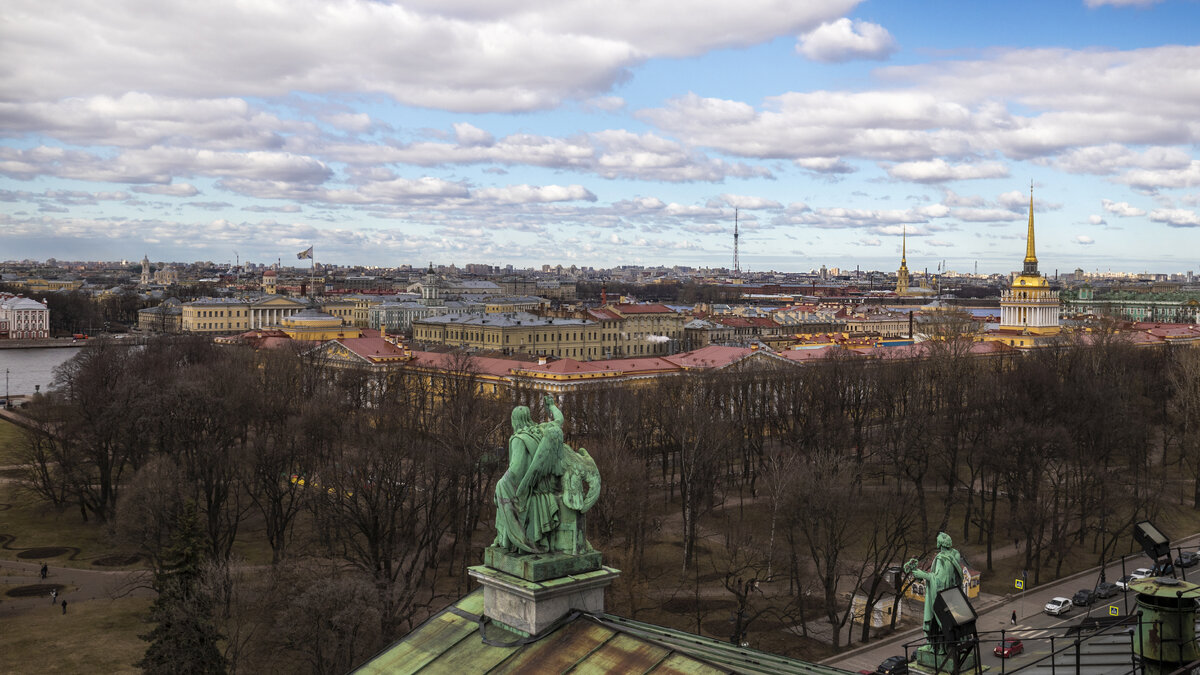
(604, 132)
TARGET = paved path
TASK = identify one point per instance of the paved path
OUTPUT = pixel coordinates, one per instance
(78, 585)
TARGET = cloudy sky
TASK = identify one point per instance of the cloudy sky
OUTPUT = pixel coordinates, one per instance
(603, 132)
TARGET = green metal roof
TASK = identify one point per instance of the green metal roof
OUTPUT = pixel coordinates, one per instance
(455, 641)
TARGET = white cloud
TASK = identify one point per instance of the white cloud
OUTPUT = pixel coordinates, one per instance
(843, 40)
(457, 56)
(1096, 220)
(1110, 158)
(750, 202)
(1009, 103)
(1122, 209)
(142, 120)
(173, 190)
(939, 170)
(830, 165)
(1176, 217)
(1084, 240)
(1152, 181)
(525, 194)
(354, 122)
(470, 135)
(975, 215)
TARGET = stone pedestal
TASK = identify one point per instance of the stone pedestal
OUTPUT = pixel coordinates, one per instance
(530, 607)
(929, 660)
(541, 566)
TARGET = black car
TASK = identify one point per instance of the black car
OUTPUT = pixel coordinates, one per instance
(893, 665)
(1106, 590)
(1083, 597)
(1187, 559)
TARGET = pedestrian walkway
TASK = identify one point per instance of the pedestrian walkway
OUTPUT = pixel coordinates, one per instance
(74, 584)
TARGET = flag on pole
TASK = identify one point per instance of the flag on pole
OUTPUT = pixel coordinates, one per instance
(306, 253)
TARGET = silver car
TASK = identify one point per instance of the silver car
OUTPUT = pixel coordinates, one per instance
(1058, 606)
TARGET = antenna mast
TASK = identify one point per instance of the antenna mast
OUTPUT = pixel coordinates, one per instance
(737, 266)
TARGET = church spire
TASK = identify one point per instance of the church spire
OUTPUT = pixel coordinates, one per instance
(1030, 255)
(902, 273)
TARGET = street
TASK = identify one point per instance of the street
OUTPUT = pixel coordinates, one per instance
(1034, 627)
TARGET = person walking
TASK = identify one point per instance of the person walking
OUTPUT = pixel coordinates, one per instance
(45, 570)
(1014, 617)
(64, 606)
(53, 595)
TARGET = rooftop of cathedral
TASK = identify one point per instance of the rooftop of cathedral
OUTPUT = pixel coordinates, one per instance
(461, 639)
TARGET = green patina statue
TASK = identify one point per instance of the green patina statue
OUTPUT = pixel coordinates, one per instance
(542, 498)
(945, 572)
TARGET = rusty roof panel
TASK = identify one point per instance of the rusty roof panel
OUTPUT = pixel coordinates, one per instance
(471, 655)
(437, 636)
(622, 654)
(559, 651)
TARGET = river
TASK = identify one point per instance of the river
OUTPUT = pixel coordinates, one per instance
(27, 369)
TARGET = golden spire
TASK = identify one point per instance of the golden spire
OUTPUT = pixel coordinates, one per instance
(1030, 256)
(903, 243)
(1030, 268)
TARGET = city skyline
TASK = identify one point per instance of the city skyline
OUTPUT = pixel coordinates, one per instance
(385, 134)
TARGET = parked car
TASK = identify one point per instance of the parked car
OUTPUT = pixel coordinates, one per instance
(1187, 559)
(893, 665)
(1143, 573)
(1123, 582)
(1083, 597)
(1009, 648)
(1058, 606)
(1106, 590)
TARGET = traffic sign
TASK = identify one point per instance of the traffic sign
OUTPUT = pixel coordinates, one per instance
(1114, 610)
(1020, 584)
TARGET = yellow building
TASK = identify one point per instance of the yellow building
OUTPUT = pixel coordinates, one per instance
(515, 333)
(314, 325)
(50, 285)
(1029, 308)
(222, 316)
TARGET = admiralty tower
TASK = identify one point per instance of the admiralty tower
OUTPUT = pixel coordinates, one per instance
(1030, 308)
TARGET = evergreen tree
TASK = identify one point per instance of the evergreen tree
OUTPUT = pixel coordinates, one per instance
(184, 641)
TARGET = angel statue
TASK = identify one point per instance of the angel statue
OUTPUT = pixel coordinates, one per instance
(542, 498)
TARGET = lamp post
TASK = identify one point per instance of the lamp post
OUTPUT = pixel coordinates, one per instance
(6, 387)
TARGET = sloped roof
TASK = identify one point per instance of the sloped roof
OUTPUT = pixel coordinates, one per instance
(372, 348)
(457, 641)
(712, 356)
(649, 308)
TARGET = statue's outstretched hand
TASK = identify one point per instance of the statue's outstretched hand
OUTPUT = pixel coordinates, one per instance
(910, 565)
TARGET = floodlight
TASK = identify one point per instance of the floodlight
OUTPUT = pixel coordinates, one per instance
(1153, 541)
(954, 613)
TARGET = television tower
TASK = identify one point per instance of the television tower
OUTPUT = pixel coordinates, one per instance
(737, 266)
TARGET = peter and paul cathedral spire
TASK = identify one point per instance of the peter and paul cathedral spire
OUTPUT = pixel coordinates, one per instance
(902, 273)
(1030, 256)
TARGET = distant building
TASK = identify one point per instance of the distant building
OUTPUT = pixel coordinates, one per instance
(165, 318)
(1029, 308)
(23, 318)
